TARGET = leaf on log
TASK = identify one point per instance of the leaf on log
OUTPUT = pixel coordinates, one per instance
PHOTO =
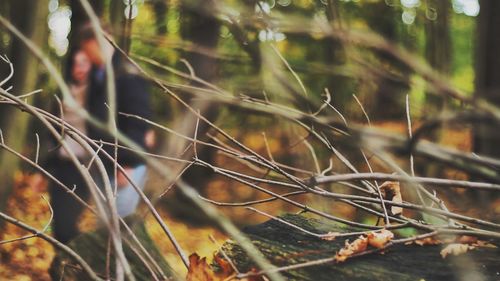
(455, 249)
(357, 246)
(200, 270)
(330, 236)
(376, 239)
(392, 191)
(379, 239)
(426, 241)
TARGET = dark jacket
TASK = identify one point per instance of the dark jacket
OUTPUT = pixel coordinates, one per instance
(132, 97)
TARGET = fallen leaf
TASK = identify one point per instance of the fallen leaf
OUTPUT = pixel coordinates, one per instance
(357, 246)
(392, 191)
(466, 239)
(225, 266)
(199, 270)
(484, 244)
(427, 241)
(330, 236)
(455, 249)
(380, 238)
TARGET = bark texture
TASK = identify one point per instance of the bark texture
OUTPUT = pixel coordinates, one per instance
(284, 245)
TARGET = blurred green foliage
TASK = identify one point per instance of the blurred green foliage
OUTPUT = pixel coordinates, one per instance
(319, 62)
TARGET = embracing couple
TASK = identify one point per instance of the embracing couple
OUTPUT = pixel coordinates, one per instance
(87, 80)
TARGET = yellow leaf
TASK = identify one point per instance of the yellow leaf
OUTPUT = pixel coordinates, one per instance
(357, 246)
(380, 239)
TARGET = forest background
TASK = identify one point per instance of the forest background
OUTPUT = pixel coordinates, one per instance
(381, 64)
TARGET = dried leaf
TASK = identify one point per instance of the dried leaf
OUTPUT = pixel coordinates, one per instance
(357, 246)
(455, 249)
(225, 266)
(466, 239)
(379, 239)
(427, 241)
(392, 191)
(474, 241)
(199, 270)
(330, 236)
(484, 244)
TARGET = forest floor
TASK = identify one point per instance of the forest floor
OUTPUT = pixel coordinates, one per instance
(30, 259)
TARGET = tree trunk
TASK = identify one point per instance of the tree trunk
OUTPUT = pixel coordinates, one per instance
(388, 92)
(438, 47)
(487, 83)
(93, 248)
(160, 9)
(335, 55)
(201, 28)
(438, 51)
(120, 24)
(32, 23)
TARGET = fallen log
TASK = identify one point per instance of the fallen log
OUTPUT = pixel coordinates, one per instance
(284, 245)
(94, 247)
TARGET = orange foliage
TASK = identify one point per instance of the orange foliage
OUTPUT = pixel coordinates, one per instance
(26, 259)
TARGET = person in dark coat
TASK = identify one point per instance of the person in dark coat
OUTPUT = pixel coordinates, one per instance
(87, 82)
(132, 97)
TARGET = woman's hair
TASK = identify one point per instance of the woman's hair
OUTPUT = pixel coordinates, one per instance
(86, 32)
(70, 61)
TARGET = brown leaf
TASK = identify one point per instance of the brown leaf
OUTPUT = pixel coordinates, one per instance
(473, 241)
(455, 249)
(484, 244)
(380, 238)
(225, 266)
(199, 270)
(357, 246)
(466, 239)
(427, 241)
(392, 191)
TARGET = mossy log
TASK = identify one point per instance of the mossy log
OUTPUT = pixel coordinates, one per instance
(94, 246)
(284, 245)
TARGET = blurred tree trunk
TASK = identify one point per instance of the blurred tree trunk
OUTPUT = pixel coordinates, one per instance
(438, 47)
(487, 83)
(32, 22)
(335, 56)
(160, 9)
(4, 45)
(389, 91)
(121, 25)
(117, 20)
(438, 51)
(200, 27)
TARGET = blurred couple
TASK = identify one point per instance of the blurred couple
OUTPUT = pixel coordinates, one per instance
(87, 78)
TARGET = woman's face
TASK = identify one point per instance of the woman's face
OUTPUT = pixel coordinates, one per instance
(81, 67)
